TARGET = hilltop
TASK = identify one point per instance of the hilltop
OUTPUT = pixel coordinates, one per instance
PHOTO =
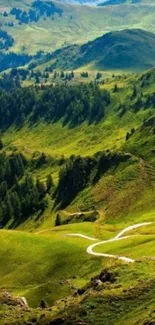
(132, 49)
(127, 50)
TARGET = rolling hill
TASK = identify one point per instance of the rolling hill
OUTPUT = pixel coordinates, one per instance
(122, 50)
(77, 24)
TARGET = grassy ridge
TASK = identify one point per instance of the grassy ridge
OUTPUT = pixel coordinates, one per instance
(124, 50)
(78, 24)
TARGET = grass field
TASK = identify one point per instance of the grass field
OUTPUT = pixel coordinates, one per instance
(34, 265)
(51, 265)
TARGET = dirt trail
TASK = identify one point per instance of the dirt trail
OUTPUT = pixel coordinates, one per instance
(116, 238)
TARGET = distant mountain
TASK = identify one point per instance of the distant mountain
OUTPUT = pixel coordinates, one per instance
(128, 49)
(118, 2)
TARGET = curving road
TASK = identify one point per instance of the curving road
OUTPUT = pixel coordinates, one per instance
(116, 238)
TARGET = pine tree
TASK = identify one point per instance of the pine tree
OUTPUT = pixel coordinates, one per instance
(134, 94)
(41, 188)
(1, 144)
(17, 205)
(72, 74)
(21, 165)
(1, 218)
(3, 189)
(57, 221)
(98, 75)
(37, 79)
(8, 172)
(9, 208)
(55, 75)
(115, 88)
(62, 75)
(49, 183)
(43, 304)
(127, 136)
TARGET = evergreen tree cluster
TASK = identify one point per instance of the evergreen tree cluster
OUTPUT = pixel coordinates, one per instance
(8, 82)
(20, 195)
(38, 9)
(73, 178)
(74, 104)
(12, 60)
(67, 76)
(46, 8)
(105, 161)
(80, 172)
(150, 100)
(84, 74)
(16, 105)
(6, 40)
(25, 74)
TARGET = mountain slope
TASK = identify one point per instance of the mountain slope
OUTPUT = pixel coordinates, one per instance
(112, 185)
(129, 49)
(85, 123)
(77, 24)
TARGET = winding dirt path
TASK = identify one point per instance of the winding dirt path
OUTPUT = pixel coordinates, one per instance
(116, 238)
(82, 236)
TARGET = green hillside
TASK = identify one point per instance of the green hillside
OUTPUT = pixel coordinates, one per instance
(57, 271)
(124, 50)
(114, 135)
(77, 24)
(77, 167)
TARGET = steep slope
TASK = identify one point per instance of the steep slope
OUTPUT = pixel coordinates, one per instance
(117, 179)
(128, 49)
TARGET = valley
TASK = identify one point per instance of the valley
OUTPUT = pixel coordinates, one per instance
(77, 162)
(117, 190)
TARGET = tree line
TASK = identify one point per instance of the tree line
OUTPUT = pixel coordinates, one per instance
(11, 60)
(79, 172)
(74, 104)
(38, 9)
(21, 196)
(6, 40)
